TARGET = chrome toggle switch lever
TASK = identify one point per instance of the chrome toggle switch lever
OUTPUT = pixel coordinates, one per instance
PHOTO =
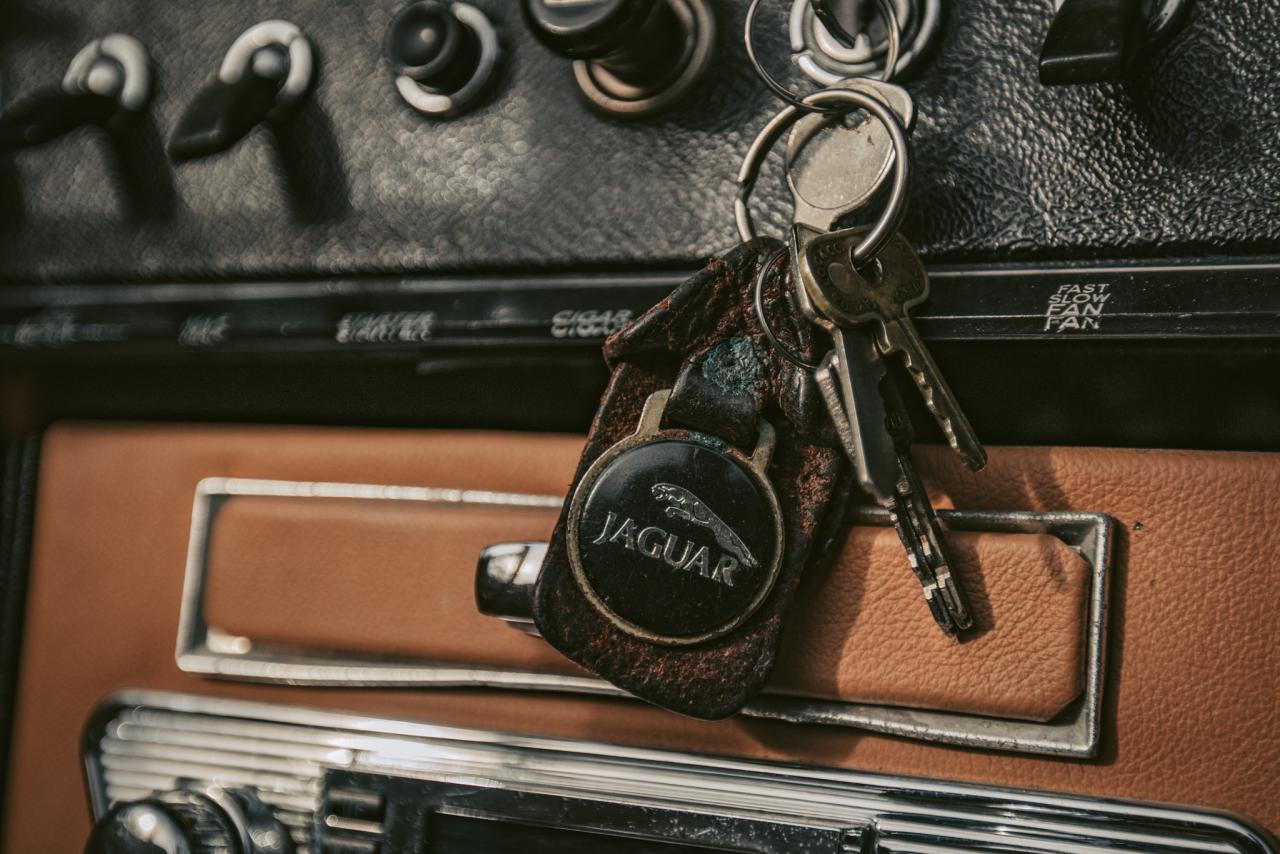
(108, 77)
(267, 71)
(631, 57)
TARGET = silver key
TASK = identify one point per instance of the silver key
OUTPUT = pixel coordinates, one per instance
(896, 281)
(833, 170)
(849, 379)
(918, 528)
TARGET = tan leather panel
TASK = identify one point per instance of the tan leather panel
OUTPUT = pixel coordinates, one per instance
(368, 576)
(1192, 714)
(397, 577)
(860, 630)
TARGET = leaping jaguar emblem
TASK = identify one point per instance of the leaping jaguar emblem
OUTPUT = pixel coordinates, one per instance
(683, 504)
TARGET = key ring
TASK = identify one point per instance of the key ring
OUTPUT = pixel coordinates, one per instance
(890, 65)
(758, 298)
(890, 217)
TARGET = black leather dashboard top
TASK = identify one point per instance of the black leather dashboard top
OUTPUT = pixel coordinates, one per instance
(1183, 159)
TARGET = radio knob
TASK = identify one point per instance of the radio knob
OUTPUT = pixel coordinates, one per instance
(211, 820)
(631, 57)
(178, 822)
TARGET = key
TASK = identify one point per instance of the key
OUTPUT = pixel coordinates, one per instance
(912, 514)
(849, 378)
(833, 170)
(918, 528)
(883, 295)
(862, 401)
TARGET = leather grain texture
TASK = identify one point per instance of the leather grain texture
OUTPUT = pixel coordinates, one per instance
(1191, 713)
(391, 578)
(1181, 159)
(860, 630)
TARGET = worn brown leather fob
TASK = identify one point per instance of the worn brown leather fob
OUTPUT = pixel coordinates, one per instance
(699, 499)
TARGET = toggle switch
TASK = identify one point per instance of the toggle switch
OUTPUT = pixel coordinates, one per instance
(107, 78)
(630, 57)
(444, 56)
(834, 40)
(1093, 41)
(263, 76)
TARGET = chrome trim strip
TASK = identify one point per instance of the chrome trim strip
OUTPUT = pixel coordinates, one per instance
(139, 741)
(202, 649)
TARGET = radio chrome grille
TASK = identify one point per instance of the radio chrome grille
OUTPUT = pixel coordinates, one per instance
(144, 749)
(141, 743)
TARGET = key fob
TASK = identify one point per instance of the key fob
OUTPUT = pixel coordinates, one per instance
(700, 498)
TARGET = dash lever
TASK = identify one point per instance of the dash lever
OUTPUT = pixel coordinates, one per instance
(107, 77)
(1093, 41)
(267, 70)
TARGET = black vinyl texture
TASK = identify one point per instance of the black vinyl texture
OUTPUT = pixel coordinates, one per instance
(1183, 159)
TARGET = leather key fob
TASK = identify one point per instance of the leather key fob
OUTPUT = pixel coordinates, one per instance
(699, 499)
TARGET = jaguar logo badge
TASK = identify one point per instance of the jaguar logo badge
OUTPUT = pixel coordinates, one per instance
(685, 505)
(685, 555)
(652, 554)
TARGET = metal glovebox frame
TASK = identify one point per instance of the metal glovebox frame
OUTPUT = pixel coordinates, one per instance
(203, 649)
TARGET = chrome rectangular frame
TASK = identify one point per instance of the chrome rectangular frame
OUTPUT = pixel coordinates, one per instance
(202, 649)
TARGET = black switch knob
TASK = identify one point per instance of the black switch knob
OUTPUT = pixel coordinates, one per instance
(443, 54)
(631, 57)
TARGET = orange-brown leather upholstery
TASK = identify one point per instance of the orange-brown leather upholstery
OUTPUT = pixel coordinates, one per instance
(1192, 713)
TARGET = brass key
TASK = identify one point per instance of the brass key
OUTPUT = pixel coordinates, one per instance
(883, 292)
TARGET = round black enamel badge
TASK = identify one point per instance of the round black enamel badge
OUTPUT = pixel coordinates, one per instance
(674, 537)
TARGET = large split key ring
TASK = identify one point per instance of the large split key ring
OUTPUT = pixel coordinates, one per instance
(890, 218)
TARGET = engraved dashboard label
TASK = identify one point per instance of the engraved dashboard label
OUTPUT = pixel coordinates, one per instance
(386, 327)
(589, 323)
(204, 330)
(60, 328)
(675, 538)
(1076, 308)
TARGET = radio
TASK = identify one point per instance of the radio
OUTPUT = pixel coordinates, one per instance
(332, 783)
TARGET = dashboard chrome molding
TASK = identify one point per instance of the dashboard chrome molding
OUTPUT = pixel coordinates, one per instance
(203, 649)
(1227, 300)
(138, 742)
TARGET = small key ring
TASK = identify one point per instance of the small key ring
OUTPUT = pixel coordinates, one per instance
(890, 217)
(758, 298)
(890, 65)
